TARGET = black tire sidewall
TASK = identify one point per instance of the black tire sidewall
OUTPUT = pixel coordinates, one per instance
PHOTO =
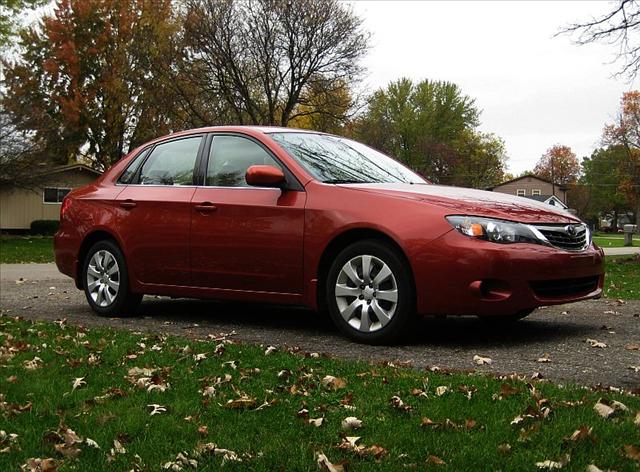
(124, 296)
(405, 309)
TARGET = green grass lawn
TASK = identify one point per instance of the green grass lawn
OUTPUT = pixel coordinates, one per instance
(613, 240)
(16, 249)
(622, 279)
(84, 398)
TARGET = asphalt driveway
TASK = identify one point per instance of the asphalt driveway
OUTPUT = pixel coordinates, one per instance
(37, 291)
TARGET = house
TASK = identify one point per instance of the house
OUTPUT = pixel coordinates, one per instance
(534, 187)
(19, 206)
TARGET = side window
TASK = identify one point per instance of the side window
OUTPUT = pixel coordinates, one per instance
(171, 163)
(128, 175)
(521, 192)
(230, 157)
(54, 195)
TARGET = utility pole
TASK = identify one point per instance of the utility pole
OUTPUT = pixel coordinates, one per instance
(553, 176)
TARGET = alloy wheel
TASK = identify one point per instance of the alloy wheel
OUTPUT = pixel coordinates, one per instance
(366, 293)
(103, 278)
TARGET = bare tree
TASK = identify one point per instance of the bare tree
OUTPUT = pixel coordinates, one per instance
(258, 56)
(19, 164)
(620, 27)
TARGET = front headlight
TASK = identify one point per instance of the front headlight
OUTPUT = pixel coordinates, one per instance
(497, 231)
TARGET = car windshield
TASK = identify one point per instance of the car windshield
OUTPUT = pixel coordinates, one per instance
(332, 159)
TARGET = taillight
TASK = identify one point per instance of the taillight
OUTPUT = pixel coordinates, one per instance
(66, 204)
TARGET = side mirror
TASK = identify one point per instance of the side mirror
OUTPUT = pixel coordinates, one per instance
(264, 176)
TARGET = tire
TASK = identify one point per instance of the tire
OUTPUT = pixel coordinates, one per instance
(106, 281)
(387, 319)
(508, 319)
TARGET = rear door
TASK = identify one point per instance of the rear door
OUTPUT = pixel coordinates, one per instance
(156, 212)
(245, 238)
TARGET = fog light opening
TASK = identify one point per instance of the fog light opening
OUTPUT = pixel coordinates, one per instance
(491, 289)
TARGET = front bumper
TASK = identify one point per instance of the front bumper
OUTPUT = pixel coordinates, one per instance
(458, 275)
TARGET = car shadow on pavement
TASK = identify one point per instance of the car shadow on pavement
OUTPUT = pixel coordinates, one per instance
(448, 332)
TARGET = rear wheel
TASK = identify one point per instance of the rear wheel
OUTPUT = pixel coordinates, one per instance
(370, 293)
(106, 281)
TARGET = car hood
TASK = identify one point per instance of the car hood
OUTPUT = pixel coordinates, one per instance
(465, 201)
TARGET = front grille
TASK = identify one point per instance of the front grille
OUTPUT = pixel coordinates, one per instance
(565, 287)
(572, 237)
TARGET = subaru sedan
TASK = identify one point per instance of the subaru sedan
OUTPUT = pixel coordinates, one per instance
(285, 216)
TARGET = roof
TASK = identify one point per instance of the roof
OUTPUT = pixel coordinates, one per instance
(546, 198)
(560, 186)
(65, 168)
(540, 198)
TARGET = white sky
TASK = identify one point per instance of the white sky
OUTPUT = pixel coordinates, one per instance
(534, 90)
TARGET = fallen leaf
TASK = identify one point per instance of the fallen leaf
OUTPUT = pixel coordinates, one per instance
(441, 390)
(479, 360)
(631, 452)
(203, 430)
(636, 421)
(396, 402)
(595, 343)
(78, 382)
(435, 460)
(33, 364)
(317, 422)
(325, 464)
(593, 468)
(333, 383)
(351, 422)
(156, 409)
(34, 464)
(580, 434)
(545, 358)
(270, 350)
(241, 403)
(504, 448)
(632, 347)
(91, 443)
(558, 464)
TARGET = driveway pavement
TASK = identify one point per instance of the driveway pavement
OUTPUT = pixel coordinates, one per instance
(559, 332)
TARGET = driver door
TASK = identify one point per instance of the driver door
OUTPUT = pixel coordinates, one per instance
(245, 238)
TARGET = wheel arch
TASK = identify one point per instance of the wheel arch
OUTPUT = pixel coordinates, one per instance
(344, 239)
(89, 240)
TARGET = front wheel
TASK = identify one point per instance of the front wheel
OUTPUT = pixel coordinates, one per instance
(370, 293)
(106, 281)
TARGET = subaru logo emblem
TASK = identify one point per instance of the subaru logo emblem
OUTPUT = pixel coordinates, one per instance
(570, 229)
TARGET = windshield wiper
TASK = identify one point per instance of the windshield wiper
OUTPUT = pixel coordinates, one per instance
(345, 181)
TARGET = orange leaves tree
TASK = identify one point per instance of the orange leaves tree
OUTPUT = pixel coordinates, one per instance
(83, 84)
(624, 132)
(558, 165)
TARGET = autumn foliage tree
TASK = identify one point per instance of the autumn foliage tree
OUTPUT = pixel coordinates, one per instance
(558, 165)
(82, 84)
(432, 127)
(624, 132)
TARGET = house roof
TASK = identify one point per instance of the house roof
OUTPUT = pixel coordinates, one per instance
(546, 198)
(65, 168)
(532, 176)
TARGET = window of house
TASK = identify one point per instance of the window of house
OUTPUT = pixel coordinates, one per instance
(521, 192)
(231, 156)
(535, 191)
(171, 163)
(54, 194)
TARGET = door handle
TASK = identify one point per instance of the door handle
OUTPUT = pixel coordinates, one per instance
(206, 207)
(128, 204)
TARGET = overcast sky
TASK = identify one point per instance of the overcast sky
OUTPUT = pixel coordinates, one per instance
(534, 90)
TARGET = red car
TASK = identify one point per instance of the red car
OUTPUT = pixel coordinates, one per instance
(304, 218)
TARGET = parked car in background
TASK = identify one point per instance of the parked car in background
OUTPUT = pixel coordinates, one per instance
(296, 217)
